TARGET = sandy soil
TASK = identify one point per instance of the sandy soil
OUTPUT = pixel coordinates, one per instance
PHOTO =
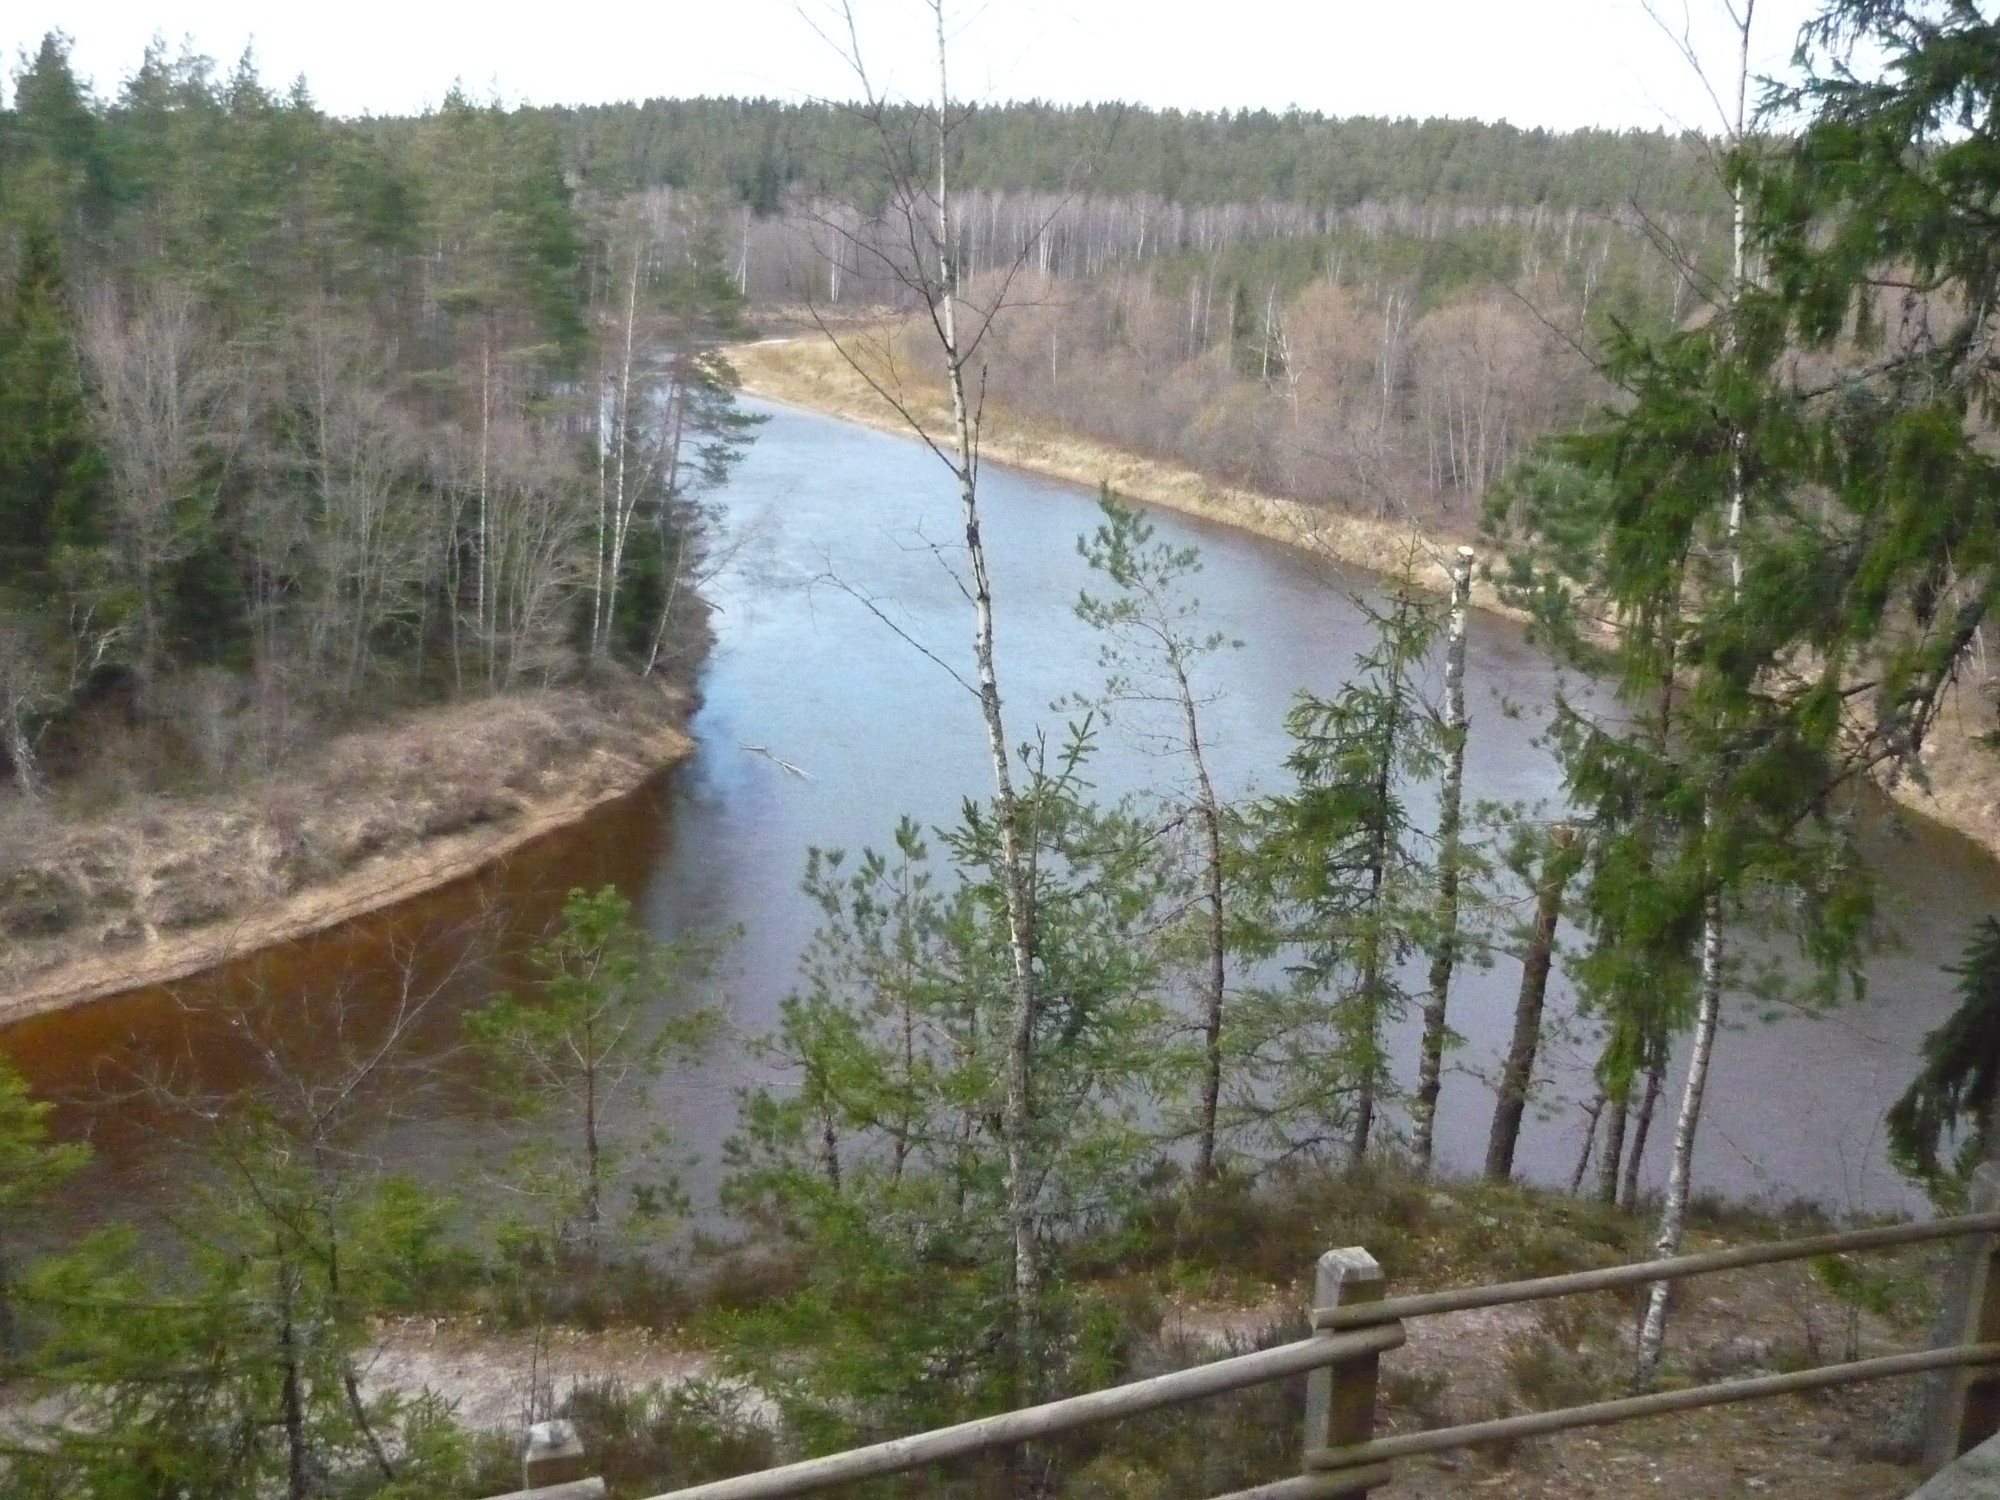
(154, 890)
(1960, 790)
(1460, 1367)
(493, 1378)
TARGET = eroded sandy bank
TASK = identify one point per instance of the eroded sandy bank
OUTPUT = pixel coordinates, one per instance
(158, 889)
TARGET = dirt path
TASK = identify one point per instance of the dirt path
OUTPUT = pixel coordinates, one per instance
(492, 1378)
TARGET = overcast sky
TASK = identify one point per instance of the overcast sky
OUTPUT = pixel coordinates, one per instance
(1560, 63)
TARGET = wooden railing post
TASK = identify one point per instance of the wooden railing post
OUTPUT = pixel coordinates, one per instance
(552, 1454)
(1340, 1400)
(1969, 1412)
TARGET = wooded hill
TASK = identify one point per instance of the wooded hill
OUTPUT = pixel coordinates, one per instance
(764, 149)
(299, 418)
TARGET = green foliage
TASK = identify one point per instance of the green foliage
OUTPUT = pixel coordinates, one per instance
(237, 1367)
(327, 416)
(1341, 867)
(605, 1018)
(759, 148)
(30, 1166)
(881, 1168)
(646, 1442)
(51, 469)
(1953, 1093)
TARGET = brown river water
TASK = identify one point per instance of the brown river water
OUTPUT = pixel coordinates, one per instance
(819, 727)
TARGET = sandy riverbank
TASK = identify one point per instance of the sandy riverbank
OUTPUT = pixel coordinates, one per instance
(157, 889)
(1963, 775)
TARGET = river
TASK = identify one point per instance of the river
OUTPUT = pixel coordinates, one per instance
(821, 725)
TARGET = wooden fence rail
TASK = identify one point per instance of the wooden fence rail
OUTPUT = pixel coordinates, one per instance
(1355, 1324)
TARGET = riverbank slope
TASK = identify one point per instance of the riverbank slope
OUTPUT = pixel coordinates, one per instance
(146, 890)
(1961, 787)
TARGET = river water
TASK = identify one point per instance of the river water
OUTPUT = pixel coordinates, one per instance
(821, 725)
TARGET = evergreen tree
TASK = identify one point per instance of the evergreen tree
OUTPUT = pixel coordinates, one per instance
(885, 1163)
(1153, 653)
(235, 1372)
(30, 1166)
(52, 473)
(602, 1023)
(1343, 865)
(1954, 1091)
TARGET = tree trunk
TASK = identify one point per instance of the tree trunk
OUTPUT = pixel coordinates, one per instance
(593, 1159)
(1649, 1104)
(1708, 1013)
(1430, 1064)
(1218, 935)
(1591, 1116)
(1673, 1206)
(1619, 1107)
(1017, 1117)
(1370, 1043)
(1517, 1076)
(624, 499)
(298, 1477)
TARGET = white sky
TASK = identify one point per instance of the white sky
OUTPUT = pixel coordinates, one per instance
(1558, 63)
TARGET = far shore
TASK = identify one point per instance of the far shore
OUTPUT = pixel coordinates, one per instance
(1963, 775)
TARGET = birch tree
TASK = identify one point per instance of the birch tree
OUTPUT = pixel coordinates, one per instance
(925, 259)
(1451, 859)
(1708, 1008)
(162, 385)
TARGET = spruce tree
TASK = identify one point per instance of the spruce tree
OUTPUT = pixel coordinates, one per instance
(52, 473)
(1349, 888)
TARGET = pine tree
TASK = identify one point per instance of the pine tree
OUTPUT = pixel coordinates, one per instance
(1153, 653)
(885, 1162)
(30, 1166)
(1955, 1089)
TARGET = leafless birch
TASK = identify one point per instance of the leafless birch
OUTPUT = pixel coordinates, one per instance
(1708, 1009)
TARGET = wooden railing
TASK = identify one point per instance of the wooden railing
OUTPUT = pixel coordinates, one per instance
(1355, 1324)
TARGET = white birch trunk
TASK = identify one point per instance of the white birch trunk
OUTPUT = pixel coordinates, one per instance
(1708, 1011)
(1430, 1064)
(1017, 1117)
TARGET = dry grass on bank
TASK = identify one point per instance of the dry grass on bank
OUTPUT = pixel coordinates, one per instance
(1192, 1287)
(809, 371)
(96, 900)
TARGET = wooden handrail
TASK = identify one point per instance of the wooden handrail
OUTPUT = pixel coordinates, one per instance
(1656, 1403)
(1051, 1417)
(1355, 1325)
(1610, 1278)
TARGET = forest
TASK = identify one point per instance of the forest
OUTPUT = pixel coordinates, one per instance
(299, 417)
(298, 425)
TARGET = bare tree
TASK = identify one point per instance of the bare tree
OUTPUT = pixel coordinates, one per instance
(924, 258)
(162, 383)
(367, 543)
